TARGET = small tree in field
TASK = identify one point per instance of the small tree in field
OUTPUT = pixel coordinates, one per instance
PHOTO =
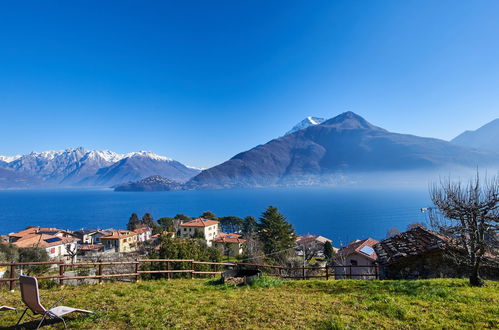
(276, 234)
(469, 215)
(328, 251)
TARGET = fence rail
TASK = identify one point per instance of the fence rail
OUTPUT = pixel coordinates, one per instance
(165, 267)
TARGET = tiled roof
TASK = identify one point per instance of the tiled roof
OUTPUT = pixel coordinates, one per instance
(200, 222)
(360, 248)
(142, 230)
(42, 240)
(90, 247)
(41, 230)
(119, 234)
(229, 238)
(410, 243)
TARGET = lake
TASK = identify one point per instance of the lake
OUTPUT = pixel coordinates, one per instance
(337, 213)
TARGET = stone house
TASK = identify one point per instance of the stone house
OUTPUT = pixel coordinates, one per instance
(418, 253)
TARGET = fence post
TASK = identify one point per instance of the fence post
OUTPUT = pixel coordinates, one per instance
(61, 273)
(168, 275)
(100, 273)
(12, 275)
(350, 273)
(327, 273)
(137, 270)
(192, 270)
(215, 269)
(376, 272)
(303, 272)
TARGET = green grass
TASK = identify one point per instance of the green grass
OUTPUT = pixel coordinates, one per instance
(271, 303)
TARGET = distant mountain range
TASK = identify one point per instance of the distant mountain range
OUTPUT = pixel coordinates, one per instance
(486, 137)
(90, 168)
(313, 152)
(338, 147)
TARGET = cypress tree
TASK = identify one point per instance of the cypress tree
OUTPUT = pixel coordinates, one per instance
(134, 222)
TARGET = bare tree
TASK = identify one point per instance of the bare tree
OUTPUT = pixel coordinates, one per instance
(469, 215)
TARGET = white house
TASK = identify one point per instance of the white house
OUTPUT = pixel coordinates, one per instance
(206, 228)
(60, 248)
(143, 234)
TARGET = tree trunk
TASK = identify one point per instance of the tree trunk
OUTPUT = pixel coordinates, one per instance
(475, 279)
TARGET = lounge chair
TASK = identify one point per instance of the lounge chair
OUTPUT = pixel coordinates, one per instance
(7, 308)
(31, 297)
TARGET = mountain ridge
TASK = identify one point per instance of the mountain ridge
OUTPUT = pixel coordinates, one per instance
(343, 144)
(80, 167)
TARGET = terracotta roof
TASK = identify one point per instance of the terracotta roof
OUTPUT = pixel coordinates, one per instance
(200, 222)
(41, 230)
(359, 247)
(413, 242)
(90, 247)
(42, 240)
(229, 238)
(142, 230)
(120, 234)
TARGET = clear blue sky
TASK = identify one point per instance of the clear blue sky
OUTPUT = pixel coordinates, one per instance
(200, 81)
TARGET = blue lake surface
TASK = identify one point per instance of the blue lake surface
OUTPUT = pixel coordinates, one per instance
(337, 213)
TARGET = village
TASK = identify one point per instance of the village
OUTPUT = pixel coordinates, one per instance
(415, 253)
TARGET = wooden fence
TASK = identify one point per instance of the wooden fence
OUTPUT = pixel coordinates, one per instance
(165, 266)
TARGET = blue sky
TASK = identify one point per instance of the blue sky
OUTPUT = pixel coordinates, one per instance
(200, 81)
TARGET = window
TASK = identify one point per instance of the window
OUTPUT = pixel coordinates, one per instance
(353, 262)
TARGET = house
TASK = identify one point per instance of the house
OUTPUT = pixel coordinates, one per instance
(205, 228)
(229, 244)
(57, 247)
(355, 255)
(60, 244)
(89, 249)
(143, 234)
(419, 253)
(120, 241)
(13, 237)
(86, 236)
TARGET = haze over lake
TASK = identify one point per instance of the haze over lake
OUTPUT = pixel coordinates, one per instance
(342, 214)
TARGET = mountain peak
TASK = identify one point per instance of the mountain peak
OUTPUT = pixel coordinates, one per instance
(305, 123)
(350, 120)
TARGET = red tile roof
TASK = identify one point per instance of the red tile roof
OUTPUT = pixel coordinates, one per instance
(142, 230)
(200, 222)
(229, 238)
(120, 234)
(42, 240)
(357, 247)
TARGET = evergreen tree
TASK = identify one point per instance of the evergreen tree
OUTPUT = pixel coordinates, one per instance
(147, 220)
(250, 226)
(276, 234)
(231, 224)
(182, 217)
(328, 251)
(134, 222)
(209, 215)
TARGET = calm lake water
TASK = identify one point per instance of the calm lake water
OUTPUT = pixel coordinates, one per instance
(339, 214)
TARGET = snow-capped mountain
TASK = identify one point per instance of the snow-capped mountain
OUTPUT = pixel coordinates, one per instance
(307, 122)
(8, 159)
(80, 167)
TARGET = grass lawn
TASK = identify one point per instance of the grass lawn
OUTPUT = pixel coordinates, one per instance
(198, 303)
